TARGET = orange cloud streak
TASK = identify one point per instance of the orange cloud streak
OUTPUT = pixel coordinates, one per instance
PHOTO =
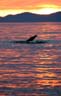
(35, 6)
(27, 4)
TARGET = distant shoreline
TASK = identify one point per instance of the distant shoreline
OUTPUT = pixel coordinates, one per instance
(34, 22)
(30, 17)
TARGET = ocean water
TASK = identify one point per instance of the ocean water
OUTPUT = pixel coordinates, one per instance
(30, 69)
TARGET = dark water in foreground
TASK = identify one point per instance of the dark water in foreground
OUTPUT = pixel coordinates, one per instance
(30, 69)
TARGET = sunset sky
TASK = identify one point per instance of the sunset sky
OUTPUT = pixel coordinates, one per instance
(35, 6)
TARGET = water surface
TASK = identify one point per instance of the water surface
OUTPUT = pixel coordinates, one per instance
(30, 69)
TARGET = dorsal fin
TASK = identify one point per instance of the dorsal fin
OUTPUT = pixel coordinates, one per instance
(31, 38)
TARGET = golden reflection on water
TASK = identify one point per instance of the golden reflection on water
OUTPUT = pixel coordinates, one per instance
(30, 70)
(27, 69)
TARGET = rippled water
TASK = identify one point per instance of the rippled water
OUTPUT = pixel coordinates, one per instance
(30, 69)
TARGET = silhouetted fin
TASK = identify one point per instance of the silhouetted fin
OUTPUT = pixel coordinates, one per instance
(31, 38)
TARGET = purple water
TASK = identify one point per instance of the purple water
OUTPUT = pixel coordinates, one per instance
(30, 69)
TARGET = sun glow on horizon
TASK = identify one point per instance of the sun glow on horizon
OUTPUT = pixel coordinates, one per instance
(10, 12)
(44, 9)
(47, 9)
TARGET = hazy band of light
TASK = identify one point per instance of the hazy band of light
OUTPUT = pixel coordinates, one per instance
(46, 11)
(37, 11)
(9, 12)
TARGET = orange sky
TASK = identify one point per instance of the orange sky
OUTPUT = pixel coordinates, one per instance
(36, 6)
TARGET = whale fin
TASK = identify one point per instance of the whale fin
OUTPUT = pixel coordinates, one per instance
(31, 38)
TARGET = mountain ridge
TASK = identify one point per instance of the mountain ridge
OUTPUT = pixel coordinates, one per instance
(31, 17)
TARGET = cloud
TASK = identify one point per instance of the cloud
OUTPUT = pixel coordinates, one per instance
(27, 4)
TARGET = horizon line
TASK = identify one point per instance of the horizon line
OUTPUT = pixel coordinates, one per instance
(30, 13)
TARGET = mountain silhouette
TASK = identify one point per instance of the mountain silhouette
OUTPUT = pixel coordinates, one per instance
(31, 17)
